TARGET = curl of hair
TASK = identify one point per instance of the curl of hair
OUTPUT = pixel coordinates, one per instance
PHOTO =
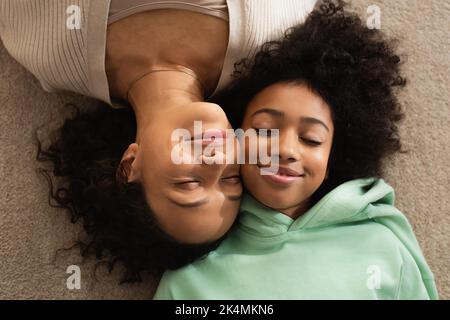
(356, 72)
(85, 154)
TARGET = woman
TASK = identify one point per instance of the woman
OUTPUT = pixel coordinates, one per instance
(134, 202)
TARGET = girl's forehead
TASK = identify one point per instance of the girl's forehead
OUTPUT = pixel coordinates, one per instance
(287, 101)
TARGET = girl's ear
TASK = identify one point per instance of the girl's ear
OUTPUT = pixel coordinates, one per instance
(326, 174)
(126, 170)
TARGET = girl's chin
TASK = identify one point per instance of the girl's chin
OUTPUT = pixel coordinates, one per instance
(277, 201)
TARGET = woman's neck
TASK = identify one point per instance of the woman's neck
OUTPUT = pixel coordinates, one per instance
(161, 89)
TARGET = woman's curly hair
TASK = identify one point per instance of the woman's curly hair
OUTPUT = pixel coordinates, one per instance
(85, 154)
(354, 69)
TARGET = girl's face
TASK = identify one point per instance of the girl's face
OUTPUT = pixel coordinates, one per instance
(305, 137)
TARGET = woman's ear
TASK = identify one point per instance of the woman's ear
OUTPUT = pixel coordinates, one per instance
(126, 167)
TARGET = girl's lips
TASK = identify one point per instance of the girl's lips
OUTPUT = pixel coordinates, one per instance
(284, 176)
(281, 179)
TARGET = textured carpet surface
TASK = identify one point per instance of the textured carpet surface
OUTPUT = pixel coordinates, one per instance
(31, 231)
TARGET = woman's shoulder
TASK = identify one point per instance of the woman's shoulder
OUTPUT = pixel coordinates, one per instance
(57, 55)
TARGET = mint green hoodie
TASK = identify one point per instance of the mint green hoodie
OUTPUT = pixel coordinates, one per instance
(352, 244)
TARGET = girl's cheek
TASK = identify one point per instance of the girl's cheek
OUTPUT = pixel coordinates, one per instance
(256, 148)
(317, 160)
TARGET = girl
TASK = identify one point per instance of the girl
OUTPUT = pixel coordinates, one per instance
(324, 225)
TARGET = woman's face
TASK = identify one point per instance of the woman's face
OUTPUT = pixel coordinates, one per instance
(194, 203)
(305, 138)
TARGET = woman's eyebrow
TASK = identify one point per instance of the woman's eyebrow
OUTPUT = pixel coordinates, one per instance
(189, 204)
(201, 201)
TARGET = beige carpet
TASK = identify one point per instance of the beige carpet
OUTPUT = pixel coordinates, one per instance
(31, 231)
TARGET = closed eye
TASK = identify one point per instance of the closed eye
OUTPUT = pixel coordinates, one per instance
(232, 179)
(188, 185)
(311, 142)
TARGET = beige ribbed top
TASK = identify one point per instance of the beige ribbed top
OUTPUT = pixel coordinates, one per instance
(120, 9)
(43, 36)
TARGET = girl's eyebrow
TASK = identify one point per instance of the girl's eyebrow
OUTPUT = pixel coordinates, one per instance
(280, 114)
(310, 120)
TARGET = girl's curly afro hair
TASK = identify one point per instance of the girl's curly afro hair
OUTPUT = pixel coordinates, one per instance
(354, 69)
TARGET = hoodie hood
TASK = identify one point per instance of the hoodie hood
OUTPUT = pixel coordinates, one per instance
(328, 253)
(353, 201)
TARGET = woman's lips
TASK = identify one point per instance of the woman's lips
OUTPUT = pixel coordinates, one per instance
(210, 134)
(211, 137)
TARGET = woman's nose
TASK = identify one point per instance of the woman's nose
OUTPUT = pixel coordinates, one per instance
(289, 146)
(213, 158)
(223, 152)
(213, 166)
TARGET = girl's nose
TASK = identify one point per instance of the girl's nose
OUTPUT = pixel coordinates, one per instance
(289, 146)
